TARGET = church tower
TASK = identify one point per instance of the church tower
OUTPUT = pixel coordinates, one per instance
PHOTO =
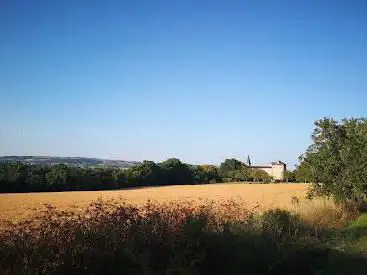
(248, 161)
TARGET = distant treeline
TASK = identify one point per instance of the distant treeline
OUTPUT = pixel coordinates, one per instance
(21, 177)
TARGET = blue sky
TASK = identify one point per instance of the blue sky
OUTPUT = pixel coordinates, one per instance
(197, 80)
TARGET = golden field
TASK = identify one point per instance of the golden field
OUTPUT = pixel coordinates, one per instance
(14, 207)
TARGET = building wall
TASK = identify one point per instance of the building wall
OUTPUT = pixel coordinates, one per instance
(278, 171)
(275, 170)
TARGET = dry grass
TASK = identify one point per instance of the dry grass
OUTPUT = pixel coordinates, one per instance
(152, 238)
(179, 237)
(14, 207)
(191, 230)
(324, 213)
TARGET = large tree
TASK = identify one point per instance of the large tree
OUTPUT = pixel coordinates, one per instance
(208, 173)
(232, 170)
(231, 164)
(176, 172)
(337, 159)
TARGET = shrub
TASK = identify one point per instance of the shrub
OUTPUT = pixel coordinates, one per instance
(174, 238)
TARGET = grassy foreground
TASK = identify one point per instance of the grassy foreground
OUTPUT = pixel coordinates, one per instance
(183, 238)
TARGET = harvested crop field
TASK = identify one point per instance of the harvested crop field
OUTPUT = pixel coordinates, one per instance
(22, 205)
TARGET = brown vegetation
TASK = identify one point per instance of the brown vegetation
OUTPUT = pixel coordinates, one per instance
(182, 237)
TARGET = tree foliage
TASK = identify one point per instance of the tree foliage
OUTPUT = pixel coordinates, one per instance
(290, 176)
(257, 174)
(57, 176)
(21, 177)
(208, 174)
(305, 173)
(175, 172)
(231, 165)
(336, 160)
(233, 170)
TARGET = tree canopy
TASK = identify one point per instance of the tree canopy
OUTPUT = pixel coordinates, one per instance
(21, 177)
(336, 160)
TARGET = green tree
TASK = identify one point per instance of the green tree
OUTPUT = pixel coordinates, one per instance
(232, 170)
(259, 175)
(119, 177)
(36, 177)
(176, 172)
(57, 178)
(230, 165)
(16, 172)
(290, 176)
(304, 172)
(208, 174)
(338, 159)
(147, 173)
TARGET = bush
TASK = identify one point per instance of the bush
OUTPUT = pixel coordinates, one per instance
(110, 238)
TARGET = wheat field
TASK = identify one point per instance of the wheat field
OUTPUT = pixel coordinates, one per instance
(18, 206)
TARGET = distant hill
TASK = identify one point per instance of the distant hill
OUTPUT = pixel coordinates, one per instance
(72, 161)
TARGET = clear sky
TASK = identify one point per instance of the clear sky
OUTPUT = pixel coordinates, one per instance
(197, 80)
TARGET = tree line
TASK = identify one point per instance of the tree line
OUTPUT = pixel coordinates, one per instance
(335, 164)
(22, 177)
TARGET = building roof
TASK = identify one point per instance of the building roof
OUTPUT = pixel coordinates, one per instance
(277, 162)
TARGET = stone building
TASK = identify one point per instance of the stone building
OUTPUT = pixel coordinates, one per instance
(275, 169)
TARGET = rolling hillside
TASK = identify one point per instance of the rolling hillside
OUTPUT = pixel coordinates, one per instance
(72, 161)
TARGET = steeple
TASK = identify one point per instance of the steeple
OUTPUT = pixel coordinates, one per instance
(248, 161)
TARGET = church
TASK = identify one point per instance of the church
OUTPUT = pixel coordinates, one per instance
(275, 169)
